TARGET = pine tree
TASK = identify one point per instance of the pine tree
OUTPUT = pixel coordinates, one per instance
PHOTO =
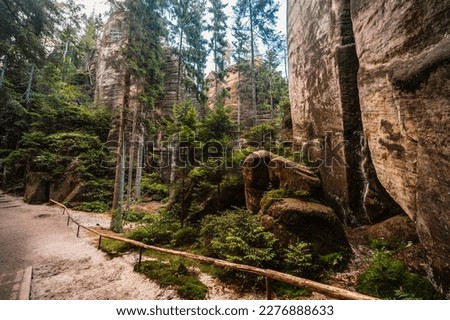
(190, 45)
(218, 43)
(143, 84)
(24, 27)
(261, 17)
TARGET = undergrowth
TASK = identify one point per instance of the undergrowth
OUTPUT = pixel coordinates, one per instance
(389, 278)
(174, 273)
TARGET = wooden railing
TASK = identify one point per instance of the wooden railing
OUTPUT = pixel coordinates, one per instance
(327, 290)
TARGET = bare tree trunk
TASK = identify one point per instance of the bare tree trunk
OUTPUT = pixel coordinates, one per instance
(179, 65)
(239, 108)
(139, 165)
(2, 76)
(252, 46)
(173, 167)
(116, 219)
(30, 83)
(131, 152)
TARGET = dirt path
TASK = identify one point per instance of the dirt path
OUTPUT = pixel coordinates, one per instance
(67, 267)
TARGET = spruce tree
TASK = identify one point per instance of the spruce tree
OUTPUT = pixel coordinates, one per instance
(218, 42)
(189, 45)
(261, 16)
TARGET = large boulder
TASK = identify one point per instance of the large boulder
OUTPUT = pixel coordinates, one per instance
(37, 188)
(256, 178)
(263, 171)
(293, 220)
(286, 174)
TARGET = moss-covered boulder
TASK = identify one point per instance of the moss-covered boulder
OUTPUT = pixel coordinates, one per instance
(293, 220)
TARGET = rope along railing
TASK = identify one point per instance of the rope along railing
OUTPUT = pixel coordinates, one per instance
(327, 290)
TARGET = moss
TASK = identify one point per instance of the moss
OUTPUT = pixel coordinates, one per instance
(114, 248)
(173, 273)
(277, 194)
(287, 291)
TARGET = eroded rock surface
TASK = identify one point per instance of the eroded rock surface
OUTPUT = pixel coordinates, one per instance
(264, 171)
(370, 88)
(404, 81)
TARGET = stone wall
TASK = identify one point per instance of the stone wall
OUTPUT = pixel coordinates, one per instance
(375, 74)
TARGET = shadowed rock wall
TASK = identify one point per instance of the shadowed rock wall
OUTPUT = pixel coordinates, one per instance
(375, 74)
(404, 84)
(326, 111)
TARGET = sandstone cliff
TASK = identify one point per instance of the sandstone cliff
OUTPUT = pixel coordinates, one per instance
(239, 98)
(370, 92)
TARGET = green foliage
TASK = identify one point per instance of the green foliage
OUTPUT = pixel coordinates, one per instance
(286, 291)
(157, 229)
(298, 258)
(173, 273)
(99, 189)
(217, 125)
(94, 206)
(332, 261)
(388, 278)
(135, 215)
(185, 236)
(236, 236)
(152, 187)
(264, 132)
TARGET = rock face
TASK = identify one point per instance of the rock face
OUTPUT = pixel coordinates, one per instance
(256, 178)
(110, 68)
(375, 74)
(326, 111)
(404, 81)
(239, 99)
(37, 188)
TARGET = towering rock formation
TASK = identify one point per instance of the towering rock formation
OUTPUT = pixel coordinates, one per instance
(111, 67)
(239, 99)
(370, 99)
(404, 83)
(326, 111)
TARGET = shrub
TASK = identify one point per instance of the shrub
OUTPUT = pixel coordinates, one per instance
(185, 236)
(153, 188)
(238, 237)
(158, 229)
(298, 258)
(389, 278)
(135, 215)
(94, 206)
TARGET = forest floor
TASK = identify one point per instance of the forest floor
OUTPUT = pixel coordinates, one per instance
(67, 267)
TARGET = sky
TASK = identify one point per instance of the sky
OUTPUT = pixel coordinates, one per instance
(101, 6)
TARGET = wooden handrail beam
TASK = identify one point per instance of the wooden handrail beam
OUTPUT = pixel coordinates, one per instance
(330, 291)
